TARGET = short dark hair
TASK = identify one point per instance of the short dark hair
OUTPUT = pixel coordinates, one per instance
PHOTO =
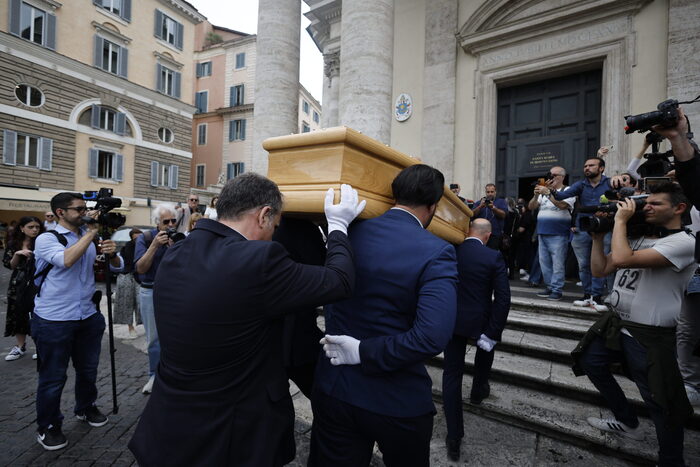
(245, 192)
(601, 161)
(133, 232)
(63, 200)
(418, 185)
(674, 192)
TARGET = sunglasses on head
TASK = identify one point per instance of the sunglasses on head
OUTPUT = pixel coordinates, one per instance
(169, 221)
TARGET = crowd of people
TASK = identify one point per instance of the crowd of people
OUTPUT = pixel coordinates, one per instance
(230, 314)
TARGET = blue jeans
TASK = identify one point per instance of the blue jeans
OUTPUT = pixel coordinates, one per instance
(57, 342)
(149, 323)
(535, 271)
(552, 255)
(582, 244)
(596, 360)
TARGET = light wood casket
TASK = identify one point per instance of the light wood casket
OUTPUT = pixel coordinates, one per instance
(305, 165)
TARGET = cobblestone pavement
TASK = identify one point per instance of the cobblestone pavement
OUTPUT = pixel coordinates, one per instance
(491, 444)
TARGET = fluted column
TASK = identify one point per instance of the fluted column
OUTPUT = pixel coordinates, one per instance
(277, 74)
(331, 89)
(366, 67)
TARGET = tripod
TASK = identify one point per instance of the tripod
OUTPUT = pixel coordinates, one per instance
(112, 350)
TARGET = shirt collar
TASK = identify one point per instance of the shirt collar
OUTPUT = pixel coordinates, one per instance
(475, 238)
(409, 212)
(603, 179)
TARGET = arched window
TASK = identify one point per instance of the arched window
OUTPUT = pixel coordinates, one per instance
(166, 135)
(29, 96)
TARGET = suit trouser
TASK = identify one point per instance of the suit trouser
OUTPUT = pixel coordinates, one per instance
(688, 338)
(452, 382)
(344, 435)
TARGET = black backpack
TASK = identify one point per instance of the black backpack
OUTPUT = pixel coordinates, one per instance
(44, 272)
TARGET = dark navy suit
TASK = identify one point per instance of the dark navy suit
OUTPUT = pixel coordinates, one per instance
(483, 301)
(403, 312)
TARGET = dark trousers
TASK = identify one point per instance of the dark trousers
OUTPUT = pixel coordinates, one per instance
(452, 381)
(596, 360)
(303, 377)
(344, 435)
(57, 342)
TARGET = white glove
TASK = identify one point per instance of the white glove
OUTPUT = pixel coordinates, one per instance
(340, 215)
(485, 343)
(342, 350)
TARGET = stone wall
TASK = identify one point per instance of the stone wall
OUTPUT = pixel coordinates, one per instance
(142, 176)
(683, 75)
(61, 175)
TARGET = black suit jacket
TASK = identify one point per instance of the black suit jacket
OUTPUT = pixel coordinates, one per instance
(221, 394)
(483, 293)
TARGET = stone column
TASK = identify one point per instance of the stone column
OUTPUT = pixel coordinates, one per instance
(331, 89)
(277, 75)
(439, 81)
(683, 75)
(366, 68)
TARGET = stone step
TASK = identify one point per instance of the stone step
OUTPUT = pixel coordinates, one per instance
(562, 308)
(557, 349)
(563, 418)
(548, 324)
(518, 290)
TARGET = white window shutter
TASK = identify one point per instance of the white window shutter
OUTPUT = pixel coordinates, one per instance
(93, 161)
(46, 155)
(155, 167)
(9, 147)
(173, 176)
(119, 167)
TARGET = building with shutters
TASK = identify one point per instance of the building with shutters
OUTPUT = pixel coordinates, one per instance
(96, 93)
(222, 129)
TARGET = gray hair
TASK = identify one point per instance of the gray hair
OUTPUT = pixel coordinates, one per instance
(165, 208)
(245, 192)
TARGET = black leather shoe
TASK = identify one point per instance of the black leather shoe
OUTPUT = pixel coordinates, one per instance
(453, 448)
(479, 395)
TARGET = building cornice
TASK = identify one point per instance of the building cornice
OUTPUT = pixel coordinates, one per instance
(186, 9)
(47, 4)
(110, 33)
(321, 14)
(241, 41)
(235, 110)
(492, 26)
(168, 60)
(55, 61)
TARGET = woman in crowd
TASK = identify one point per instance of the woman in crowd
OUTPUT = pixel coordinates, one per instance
(19, 257)
(210, 213)
(127, 294)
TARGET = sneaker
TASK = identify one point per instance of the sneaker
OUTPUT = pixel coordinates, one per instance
(693, 395)
(523, 272)
(544, 293)
(52, 438)
(613, 426)
(579, 283)
(35, 356)
(554, 296)
(597, 304)
(148, 387)
(585, 301)
(93, 416)
(14, 354)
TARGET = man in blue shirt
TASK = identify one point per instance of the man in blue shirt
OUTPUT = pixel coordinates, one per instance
(66, 325)
(149, 251)
(588, 191)
(493, 210)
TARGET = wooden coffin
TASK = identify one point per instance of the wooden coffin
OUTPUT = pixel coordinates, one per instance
(305, 165)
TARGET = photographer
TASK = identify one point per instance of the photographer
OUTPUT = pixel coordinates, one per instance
(639, 328)
(493, 210)
(66, 324)
(150, 249)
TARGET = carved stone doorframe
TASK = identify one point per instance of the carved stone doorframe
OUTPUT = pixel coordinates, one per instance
(610, 45)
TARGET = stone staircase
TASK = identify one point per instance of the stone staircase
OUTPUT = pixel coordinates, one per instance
(533, 387)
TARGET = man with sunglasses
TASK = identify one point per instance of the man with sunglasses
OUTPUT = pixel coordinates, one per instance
(149, 251)
(49, 221)
(184, 214)
(66, 324)
(553, 231)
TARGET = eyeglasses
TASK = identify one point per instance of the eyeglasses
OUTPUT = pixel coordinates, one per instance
(169, 221)
(80, 209)
(193, 199)
(555, 175)
(49, 215)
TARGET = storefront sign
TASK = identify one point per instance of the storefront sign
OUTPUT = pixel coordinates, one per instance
(24, 205)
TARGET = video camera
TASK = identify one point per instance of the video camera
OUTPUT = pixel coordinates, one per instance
(636, 226)
(105, 202)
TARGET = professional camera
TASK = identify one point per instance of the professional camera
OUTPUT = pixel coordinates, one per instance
(666, 116)
(657, 164)
(105, 202)
(636, 226)
(174, 235)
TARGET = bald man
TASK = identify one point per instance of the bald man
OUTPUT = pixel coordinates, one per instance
(483, 300)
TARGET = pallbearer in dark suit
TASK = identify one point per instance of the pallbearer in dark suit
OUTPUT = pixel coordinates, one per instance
(483, 301)
(375, 386)
(221, 395)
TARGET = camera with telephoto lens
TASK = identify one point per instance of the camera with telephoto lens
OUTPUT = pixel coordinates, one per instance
(666, 116)
(636, 225)
(105, 202)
